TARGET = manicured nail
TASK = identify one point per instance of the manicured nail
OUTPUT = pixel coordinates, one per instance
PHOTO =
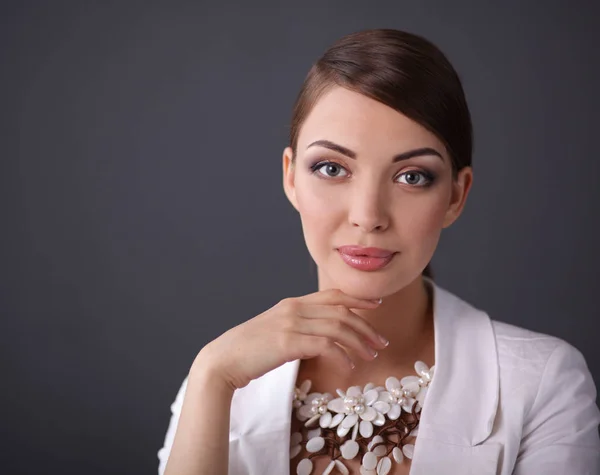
(384, 341)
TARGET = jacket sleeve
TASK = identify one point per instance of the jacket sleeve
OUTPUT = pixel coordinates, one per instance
(164, 452)
(560, 433)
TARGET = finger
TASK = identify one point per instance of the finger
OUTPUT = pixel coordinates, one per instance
(337, 297)
(338, 331)
(358, 323)
(309, 346)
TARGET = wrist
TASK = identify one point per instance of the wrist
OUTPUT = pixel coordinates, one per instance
(205, 373)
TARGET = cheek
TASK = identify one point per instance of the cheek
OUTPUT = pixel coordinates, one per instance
(320, 212)
(421, 223)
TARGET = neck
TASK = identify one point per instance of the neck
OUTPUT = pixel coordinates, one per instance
(405, 319)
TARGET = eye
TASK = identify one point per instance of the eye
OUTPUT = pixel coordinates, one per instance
(417, 178)
(332, 169)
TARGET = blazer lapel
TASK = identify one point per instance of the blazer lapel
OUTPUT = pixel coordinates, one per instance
(463, 397)
(259, 437)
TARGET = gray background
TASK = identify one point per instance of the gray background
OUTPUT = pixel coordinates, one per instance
(143, 212)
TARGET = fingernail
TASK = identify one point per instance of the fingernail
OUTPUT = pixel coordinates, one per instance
(377, 301)
(384, 341)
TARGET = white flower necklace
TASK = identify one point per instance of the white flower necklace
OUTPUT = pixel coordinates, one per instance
(383, 416)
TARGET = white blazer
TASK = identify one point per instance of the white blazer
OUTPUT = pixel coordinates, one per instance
(504, 400)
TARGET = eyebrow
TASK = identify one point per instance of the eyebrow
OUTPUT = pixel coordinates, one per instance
(397, 158)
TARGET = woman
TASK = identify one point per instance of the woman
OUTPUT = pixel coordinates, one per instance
(381, 370)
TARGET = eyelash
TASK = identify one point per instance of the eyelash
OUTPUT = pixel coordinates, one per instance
(429, 177)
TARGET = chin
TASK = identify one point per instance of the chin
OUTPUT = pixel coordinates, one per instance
(366, 285)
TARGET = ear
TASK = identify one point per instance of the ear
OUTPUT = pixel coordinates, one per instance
(460, 190)
(289, 170)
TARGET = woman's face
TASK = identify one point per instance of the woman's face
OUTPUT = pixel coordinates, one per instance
(370, 198)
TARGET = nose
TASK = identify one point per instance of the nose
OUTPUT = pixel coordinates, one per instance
(368, 210)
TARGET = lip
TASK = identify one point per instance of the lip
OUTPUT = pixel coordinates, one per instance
(363, 262)
(365, 251)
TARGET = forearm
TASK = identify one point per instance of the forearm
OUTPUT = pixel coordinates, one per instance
(201, 443)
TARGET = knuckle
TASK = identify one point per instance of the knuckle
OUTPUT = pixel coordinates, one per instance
(341, 310)
(327, 344)
(289, 304)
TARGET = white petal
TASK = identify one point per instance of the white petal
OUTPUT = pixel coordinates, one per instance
(341, 393)
(421, 368)
(337, 405)
(366, 429)
(309, 399)
(312, 421)
(305, 386)
(325, 420)
(295, 439)
(315, 444)
(354, 391)
(349, 449)
(337, 419)
(421, 396)
(368, 387)
(407, 406)
(349, 421)
(414, 432)
(329, 468)
(379, 420)
(314, 433)
(371, 396)
(354, 431)
(375, 440)
(384, 466)
(380, 450)
(385, 396)
(341, 468)
(364, 471)
(369, 461)
(397, 454)
(431, 371)
(369, 414)
(342, 431)
(409, 379)
(392, 383)
(382, 407)
(305, 412)
(408, 450)
(413, 387)
(394, 412)
(305, 467)
(295, 450)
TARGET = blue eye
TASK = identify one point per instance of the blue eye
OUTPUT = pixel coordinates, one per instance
(328, 166)
(414, 178)
(417, 178)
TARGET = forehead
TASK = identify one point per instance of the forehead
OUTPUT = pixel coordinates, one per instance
(361, 123)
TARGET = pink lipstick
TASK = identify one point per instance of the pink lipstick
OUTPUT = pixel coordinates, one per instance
(365, 258)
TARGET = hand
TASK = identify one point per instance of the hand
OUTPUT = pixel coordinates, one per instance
(295, 328)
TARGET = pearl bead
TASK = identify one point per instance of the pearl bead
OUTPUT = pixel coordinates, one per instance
(359, 408)
(322, 409)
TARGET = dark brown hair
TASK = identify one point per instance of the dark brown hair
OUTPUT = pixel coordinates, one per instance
(403, 71)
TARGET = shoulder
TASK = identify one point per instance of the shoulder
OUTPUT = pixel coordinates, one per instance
(527, 353)
(526, 350)
(542, 372)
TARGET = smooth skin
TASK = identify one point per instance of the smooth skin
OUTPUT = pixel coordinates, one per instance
(368, 201)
